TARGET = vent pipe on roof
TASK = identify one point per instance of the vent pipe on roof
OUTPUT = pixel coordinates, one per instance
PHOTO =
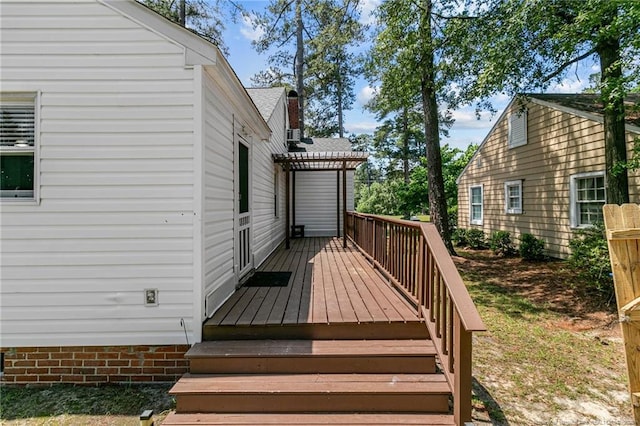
(183, 13)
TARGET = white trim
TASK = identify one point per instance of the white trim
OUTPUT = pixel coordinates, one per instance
(507, 185)
(573, 211)
(471, 220)
(199, 160)
(33, 98)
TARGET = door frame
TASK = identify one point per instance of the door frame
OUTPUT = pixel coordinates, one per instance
(243, 232)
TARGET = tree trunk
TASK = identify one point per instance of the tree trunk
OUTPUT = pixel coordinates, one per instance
(300, 67)
(340, 101)
(615, 144)
(437, 198)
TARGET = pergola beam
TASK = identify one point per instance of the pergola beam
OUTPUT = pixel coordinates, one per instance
(316, 161)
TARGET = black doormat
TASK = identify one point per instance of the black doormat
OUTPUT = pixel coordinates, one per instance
(268, 279)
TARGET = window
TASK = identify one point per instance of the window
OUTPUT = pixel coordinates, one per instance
(475, 205)
(17, 146)
(513, 197)
(517, 129)
(588, 195)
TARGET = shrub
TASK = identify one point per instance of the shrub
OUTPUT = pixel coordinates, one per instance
(590, 258)
(531, 248)
(475, 238)
(459, 237)
(500, 243)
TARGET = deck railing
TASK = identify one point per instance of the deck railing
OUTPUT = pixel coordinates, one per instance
(414, 258)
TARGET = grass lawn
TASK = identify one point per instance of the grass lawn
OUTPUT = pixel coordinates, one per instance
(551, 354)
(83, 405)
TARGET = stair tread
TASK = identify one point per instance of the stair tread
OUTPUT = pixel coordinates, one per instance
(290, 348)
(300, 419)
(311, 383)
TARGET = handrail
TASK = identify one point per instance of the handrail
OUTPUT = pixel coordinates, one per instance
(414, 258)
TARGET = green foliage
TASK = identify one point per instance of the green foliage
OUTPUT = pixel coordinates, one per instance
(531, 248)
(415, 198)
(475, 239)
(500, 243)
(453, 162)
(633, 163)
(590, 259)
(459, 237)
(381, 198)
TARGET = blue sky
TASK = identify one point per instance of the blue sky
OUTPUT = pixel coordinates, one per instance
(467, 128)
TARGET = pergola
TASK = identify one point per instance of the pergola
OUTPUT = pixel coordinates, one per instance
(316, 161)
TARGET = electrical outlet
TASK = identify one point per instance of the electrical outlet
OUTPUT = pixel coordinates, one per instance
(151, 297)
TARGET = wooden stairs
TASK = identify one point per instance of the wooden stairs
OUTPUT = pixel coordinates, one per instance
(312, 382)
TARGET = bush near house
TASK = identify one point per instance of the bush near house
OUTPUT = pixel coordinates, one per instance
(475, 239)
(590, 258)
(531, 248)
(500, 243)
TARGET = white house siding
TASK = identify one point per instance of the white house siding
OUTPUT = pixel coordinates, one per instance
(116, 180)
(268, 227)
(316, 197)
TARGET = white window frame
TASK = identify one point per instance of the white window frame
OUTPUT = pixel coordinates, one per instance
(517, 121)
(507, 196)
(471, 204)
(573, 196)
(25, 98)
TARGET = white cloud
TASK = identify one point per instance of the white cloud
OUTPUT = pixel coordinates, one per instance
(248, 31)
(466, 119)
(361, 127)
(366, 11)
(569, 86)
(365, 95)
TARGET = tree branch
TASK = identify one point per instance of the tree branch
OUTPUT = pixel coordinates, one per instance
(564, 66)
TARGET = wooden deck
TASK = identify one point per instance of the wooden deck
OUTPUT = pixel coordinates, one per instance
(332, 290)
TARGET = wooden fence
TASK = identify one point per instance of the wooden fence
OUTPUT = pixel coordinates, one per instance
(413, 256)
(623, 235)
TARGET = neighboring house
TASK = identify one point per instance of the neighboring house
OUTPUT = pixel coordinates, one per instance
(540, 170)
(139, 187)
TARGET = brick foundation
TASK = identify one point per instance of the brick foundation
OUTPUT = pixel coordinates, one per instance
(94, 364)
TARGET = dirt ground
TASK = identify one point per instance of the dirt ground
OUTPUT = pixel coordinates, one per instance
(550, 284)
(553, 286)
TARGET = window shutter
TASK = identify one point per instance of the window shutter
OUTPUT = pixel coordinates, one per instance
(517, 129)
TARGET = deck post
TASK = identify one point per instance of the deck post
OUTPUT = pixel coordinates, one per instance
(293, 198)
(344, 204)
(287, 213)
(338, 202)
(462, 372)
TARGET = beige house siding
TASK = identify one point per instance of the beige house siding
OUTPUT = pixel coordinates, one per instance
(559, 145)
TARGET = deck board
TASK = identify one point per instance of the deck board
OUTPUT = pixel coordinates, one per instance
(329, 285)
